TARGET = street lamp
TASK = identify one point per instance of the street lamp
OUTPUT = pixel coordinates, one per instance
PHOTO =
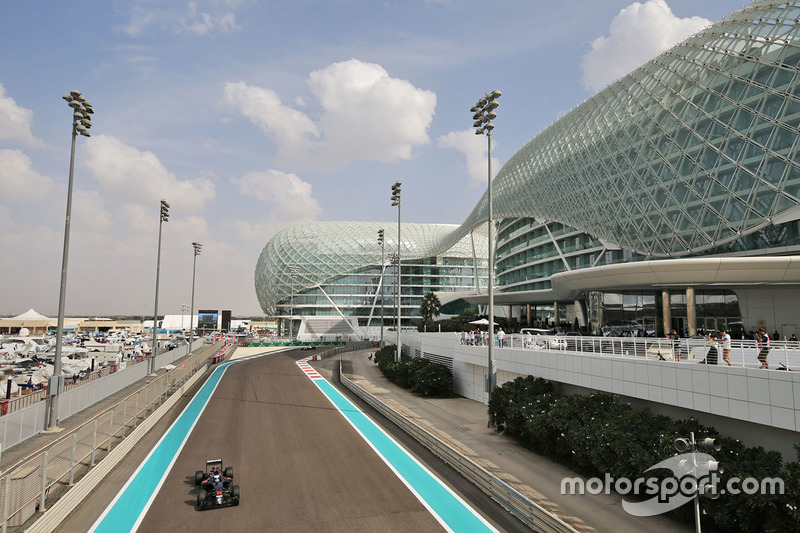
(294, 271)
(483, 116)
(396, 202)
(382, 242)
(81, 122)
(197, 248)
(163, 217)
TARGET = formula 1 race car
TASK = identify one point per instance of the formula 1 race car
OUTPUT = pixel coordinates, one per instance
(216, 486)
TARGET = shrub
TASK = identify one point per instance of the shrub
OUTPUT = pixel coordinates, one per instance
(434, 380)
(598, 434)
(418, 374)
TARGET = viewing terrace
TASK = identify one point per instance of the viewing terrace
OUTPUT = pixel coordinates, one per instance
(762, 405)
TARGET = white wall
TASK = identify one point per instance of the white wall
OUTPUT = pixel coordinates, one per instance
(767, 401)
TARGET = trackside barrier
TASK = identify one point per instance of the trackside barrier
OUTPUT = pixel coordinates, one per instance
(32, 484)
(526, 510)
(75, 496)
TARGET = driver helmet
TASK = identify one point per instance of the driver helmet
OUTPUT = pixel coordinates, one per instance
(216, 477)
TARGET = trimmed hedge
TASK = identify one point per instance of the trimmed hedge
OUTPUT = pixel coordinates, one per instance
(418, 374)
(598, 434)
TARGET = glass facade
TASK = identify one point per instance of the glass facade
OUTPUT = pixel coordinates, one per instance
(333, 269)
(693, 151)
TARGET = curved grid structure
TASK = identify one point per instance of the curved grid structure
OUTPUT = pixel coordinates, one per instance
(692, 150)
(323, 251)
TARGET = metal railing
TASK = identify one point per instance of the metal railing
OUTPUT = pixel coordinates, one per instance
(526, 510)
(30, 485)
(782, 355)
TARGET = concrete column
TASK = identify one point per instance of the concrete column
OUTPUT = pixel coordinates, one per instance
(528, 312)
(691, 311)
(555, 313)
(665, 311)
(510, 312)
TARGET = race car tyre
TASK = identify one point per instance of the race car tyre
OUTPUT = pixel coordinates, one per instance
(229, 472)
(235, 494)
(198, 477)
(201, 498)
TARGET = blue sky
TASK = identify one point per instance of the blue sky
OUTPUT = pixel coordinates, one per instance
(247, 116)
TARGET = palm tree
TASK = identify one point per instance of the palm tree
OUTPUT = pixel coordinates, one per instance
(429, 307)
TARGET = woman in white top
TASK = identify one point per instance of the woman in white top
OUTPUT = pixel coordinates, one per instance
(725, 339)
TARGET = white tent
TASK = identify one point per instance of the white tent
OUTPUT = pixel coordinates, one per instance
(30, 314)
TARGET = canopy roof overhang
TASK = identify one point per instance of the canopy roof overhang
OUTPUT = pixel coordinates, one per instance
(662, 273)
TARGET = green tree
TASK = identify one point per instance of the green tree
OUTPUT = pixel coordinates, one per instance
(429, 307)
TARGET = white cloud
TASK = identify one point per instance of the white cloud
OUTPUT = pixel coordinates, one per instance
(200, 17)
(139, 177)
(202, 23)
(290, 129)
(16, 121)
(18, 180)
(636, 35)
(364, 115)
(475, 148)
(290, 200)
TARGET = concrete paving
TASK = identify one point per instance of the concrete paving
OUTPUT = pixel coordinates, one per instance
(463, 423)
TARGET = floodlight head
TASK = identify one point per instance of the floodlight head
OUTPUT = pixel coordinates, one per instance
(477, 116)
(496, 94)
(681, 444)
(67, 97)
(479, 131)
(74, 93)
(711, 444)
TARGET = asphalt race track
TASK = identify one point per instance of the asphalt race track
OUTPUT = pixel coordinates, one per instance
(300, 465)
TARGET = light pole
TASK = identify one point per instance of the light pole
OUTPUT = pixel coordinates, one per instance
(382, 242)
(396, 201)
(81, 122)
(294, 270)
(184, 308)
(483, 116)
(163, 217)
(197, 248)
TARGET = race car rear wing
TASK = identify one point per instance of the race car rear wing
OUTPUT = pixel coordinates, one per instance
(212, 462)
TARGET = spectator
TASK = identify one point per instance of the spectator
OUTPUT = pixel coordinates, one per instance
(763, 347)
(725, 341)
(501, 337)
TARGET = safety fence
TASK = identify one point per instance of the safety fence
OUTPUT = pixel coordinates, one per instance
(30, 396)
(526, 510)
(26, 422)
(33, 483)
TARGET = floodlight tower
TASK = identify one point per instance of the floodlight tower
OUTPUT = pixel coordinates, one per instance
(163, 217)
(382, 242)
(81, 122)
(483, 116)
(396, 202)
